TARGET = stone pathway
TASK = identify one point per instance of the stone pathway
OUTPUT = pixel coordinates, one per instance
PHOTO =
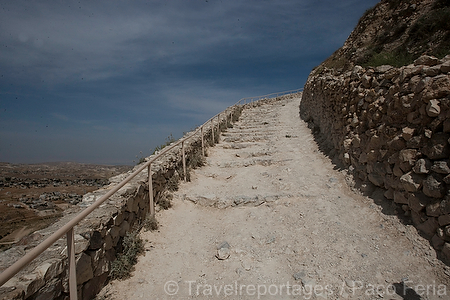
(270, 217)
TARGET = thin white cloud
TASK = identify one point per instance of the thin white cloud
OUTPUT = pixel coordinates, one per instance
(60, 117)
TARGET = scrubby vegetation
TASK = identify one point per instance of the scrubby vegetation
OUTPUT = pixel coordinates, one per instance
(132, 245)
(169, 140)
(430, 34)
(396, 32)
(165, 201)
(172, 183)
(150, 223)
(395, 59)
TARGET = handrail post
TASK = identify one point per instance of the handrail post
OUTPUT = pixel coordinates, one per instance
(150, 190)
(212, 131)
(184, 161)
(72, 265)
(203, 143)
(218, 127)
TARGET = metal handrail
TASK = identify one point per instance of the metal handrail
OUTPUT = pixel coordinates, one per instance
(272, 95)
(68, 227)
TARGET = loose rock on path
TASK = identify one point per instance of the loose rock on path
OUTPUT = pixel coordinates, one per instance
(270, 217)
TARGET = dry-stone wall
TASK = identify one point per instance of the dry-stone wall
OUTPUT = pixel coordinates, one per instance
(391, 127)
(98, 238)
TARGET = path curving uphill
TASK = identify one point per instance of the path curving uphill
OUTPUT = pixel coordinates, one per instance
(270, 217)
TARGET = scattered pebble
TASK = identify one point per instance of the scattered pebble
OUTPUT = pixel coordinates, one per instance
(223, 253)
(299, 275)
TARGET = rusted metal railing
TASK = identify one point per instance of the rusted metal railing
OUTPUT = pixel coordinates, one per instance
(68, 228)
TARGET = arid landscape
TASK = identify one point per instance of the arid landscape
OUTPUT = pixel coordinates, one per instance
(339, 190)
(32, 196)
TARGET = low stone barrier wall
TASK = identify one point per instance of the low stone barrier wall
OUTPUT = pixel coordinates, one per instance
(98, 238)
(391, 127)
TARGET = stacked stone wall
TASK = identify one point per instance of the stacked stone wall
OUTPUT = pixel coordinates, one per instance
(391, 127)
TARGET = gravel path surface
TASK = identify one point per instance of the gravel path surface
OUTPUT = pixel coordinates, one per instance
(270, 217)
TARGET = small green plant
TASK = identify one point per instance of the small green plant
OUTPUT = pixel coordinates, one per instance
(334, 62)
(132, 245)
(191, 130)
(165, 201)
(237, 113)
(170, 139)
(141, 160)
(426, 28)
(395, 59)
(103, 296)
(197, 160)
(150, 223)
(172, 183)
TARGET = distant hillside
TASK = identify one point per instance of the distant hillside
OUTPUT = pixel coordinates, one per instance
(395, 32)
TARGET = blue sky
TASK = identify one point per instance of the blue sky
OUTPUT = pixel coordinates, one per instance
(104, 81)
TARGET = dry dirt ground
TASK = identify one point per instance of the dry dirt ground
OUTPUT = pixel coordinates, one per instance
(285, 225)
(33, 196)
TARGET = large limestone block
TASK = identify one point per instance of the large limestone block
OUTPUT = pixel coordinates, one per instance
(432, 71)
(408, 158)
(84, 268)
(434, 209)
(81, 244)
(422, 166)
(411, 182)
(445, 67)
(440, 167)
(407, 133)
(376, 179)
(417, 201)
(433, 108)
(429, 227)
(439, 87)
(51, 290)
(51, 268)
(437, 147)
(444, 220)
(399, 197)
(426, 60)
(433, 187)
(93, 286)
(96, 240)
